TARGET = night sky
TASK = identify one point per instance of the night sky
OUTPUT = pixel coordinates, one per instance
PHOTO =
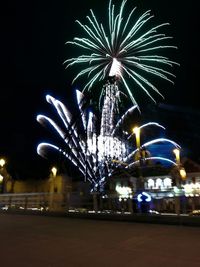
(33, 36)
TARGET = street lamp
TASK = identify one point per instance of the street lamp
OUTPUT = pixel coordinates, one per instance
(54, 171)
(2, 162)
(177, 155)
(136, 131)
(1, 184)
(2, 181)
(180, 174)
(140, 181)
(181, 170)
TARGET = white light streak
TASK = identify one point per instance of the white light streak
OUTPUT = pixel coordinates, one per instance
(128, 43)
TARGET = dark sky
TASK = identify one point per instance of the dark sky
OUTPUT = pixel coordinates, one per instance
(33, 36)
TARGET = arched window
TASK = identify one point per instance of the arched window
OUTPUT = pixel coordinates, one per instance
(151, 183)
(167, 182)
(159, 183)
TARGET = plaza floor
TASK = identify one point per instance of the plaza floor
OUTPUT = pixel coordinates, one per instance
(43, 241)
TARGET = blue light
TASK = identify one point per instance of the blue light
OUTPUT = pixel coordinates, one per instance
(143, 197)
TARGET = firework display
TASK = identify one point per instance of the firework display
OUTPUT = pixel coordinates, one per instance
(120, 52)
(128, 48)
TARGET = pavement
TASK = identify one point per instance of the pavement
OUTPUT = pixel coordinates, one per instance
(53, 241)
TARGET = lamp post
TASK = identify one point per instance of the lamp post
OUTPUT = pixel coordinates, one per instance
(177, 155)
(140, 180)
(2, 181)
(180, 174)
(136, 131)
(52, 188)
(54, 171)
(181, 169)
(53, 177)
(2, 162)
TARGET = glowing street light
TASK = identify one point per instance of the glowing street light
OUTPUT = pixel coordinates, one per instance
(136, 131)
(177, 155)
(140, 181)
(1, 184)
(2, 162)
(180, 175)
(54, 171)
(182, 171)
(138, 156)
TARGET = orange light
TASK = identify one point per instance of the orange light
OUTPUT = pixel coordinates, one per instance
(182, 173)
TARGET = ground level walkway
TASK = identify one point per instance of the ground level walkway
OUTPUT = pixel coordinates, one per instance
(50, 241)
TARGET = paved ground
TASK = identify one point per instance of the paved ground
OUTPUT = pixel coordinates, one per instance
(42, 241)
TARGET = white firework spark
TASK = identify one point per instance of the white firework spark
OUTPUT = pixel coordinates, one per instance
(123, 49)
(124, 52)
(96, 154)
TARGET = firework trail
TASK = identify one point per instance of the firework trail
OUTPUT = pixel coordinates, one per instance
(96, 154)
(127, 48)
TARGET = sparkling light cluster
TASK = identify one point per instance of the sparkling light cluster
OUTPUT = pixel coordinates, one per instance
(96, 153)
(128, 48)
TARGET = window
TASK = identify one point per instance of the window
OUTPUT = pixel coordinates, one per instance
(167, 182)
(151, 183)
(159, 183)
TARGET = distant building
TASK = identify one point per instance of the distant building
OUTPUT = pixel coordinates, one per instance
(161, 183)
